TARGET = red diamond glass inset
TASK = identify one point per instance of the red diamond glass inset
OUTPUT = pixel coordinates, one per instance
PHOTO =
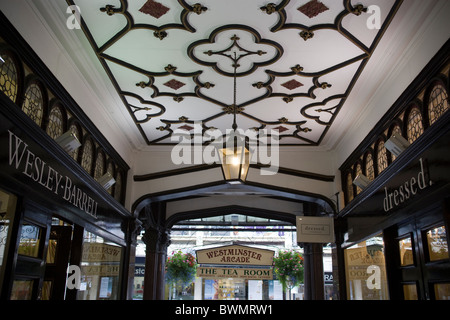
(186, 127)
(174, 84)
(153, 8)
(281, 129)
(292, 84)
(312, 8)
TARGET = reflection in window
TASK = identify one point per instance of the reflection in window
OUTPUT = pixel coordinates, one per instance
(415, 126)
(8, 76)
(438, 104)
(22, 289)
(365, 270)
(100, 269)
(437, 244)
(406, 253)
(33, 104)
(30, 238)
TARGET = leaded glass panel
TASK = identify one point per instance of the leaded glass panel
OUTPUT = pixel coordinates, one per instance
(438, 103)
(370, 172)
(74, 129)
(99, 166)
(415, 126)
(382, 162)
(8, 76)
(349, 187)
(118, 187)
(33, 104)
(357, 172)
(55, 126)
(87, 156)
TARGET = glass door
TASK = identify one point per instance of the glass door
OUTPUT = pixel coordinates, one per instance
(421, 260)
(57, 261)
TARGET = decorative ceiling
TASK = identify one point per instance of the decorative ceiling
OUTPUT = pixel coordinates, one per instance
(173, 62)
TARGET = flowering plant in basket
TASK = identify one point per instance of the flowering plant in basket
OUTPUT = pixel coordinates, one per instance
(288, 266)
(181, 267)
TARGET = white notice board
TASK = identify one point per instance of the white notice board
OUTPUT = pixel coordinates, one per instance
(315, 229)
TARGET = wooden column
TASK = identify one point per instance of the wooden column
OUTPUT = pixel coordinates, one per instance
(156, 239)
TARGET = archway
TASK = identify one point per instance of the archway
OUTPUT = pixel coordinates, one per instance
(159, 213)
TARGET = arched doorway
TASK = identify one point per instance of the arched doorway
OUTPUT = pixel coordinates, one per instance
(160, 213)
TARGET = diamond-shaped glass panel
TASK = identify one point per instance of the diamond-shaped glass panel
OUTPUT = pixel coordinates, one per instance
(153, 8)
(292, 84)
(313, 8)
(174, 84)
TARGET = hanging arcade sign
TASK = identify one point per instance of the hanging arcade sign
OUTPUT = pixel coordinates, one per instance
(235, 254)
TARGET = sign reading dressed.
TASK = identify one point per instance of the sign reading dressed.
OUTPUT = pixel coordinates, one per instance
(253, 274)
(23, 159)
(235, 254)
(315, 229)
(406, 190)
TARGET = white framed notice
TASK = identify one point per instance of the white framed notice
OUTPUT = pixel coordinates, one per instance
(315, 229)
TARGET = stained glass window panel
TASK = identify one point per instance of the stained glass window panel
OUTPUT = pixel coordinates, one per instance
(55, 123)
(438, 104)
(382, 162)
(8, 76)
(415, 125)
(87, 156)
(33, 104)
(370, 172)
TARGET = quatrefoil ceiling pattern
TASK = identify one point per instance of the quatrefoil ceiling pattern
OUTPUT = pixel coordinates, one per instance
(171, 61)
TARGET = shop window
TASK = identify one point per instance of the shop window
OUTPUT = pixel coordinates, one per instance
(438, 103)
(55, 126)
(437, 244)
(87, 156)
(7, 211)
(415, 125)
(100, 269)
(382, 161)
(365, 270)
(8, 75)
(33, 104)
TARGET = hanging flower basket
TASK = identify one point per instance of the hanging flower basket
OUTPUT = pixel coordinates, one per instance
(181, 268)
(288, 267)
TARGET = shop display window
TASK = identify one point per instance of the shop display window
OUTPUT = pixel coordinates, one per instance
(22, 289)
(100, 269)
(365, 270)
